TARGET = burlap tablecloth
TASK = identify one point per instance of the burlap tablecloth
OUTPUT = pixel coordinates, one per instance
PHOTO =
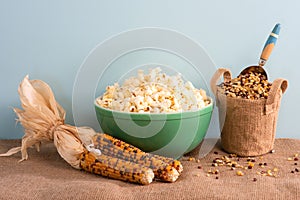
(47, 176)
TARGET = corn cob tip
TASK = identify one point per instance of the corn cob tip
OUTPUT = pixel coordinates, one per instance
(172, 176)
(146, 180)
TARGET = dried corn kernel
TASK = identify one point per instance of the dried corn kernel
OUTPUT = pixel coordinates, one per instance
(251, 164)
(239, 173)
(248, 86)
(269, 172)
(191, 159)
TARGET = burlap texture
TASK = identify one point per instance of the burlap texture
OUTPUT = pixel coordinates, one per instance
(47, 176)
(248, 127)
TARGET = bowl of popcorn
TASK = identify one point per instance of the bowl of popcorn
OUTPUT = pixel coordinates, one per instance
(156, 112)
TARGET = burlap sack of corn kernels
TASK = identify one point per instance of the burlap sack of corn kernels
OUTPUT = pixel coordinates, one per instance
(247, 126)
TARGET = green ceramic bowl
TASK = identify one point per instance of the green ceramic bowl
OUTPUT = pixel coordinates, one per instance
(171, 134)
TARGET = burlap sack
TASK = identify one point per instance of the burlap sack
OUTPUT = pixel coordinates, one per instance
(247, 126)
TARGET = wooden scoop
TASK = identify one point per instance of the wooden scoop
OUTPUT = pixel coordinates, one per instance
(266, 52)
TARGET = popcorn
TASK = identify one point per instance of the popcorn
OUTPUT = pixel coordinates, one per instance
(155, 92)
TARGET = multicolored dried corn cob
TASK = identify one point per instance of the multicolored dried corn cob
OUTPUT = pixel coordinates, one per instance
(116, 168)
(165, 169)
(162, 170)
(105, 138)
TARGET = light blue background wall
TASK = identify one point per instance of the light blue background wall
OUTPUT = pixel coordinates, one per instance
(50, 39)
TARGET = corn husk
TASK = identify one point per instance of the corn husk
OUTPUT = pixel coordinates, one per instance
(43, 121)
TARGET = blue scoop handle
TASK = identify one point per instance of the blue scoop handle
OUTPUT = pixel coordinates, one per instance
(270, 43)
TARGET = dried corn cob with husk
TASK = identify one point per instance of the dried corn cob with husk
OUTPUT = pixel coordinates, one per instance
(43, 121)
(105, 139)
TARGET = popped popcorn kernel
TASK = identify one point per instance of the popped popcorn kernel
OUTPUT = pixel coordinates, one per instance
(155, 92)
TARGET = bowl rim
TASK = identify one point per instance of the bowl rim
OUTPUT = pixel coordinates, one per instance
(157, 116)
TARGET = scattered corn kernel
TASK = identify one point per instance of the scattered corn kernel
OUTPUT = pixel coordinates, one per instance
(272, 151)
(232, 155)
(251, 164)
(239, 173)
(269, 172)
(191, 159)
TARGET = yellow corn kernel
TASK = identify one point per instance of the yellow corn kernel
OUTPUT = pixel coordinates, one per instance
(239, 173)
(251, 164)
(269, 172)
